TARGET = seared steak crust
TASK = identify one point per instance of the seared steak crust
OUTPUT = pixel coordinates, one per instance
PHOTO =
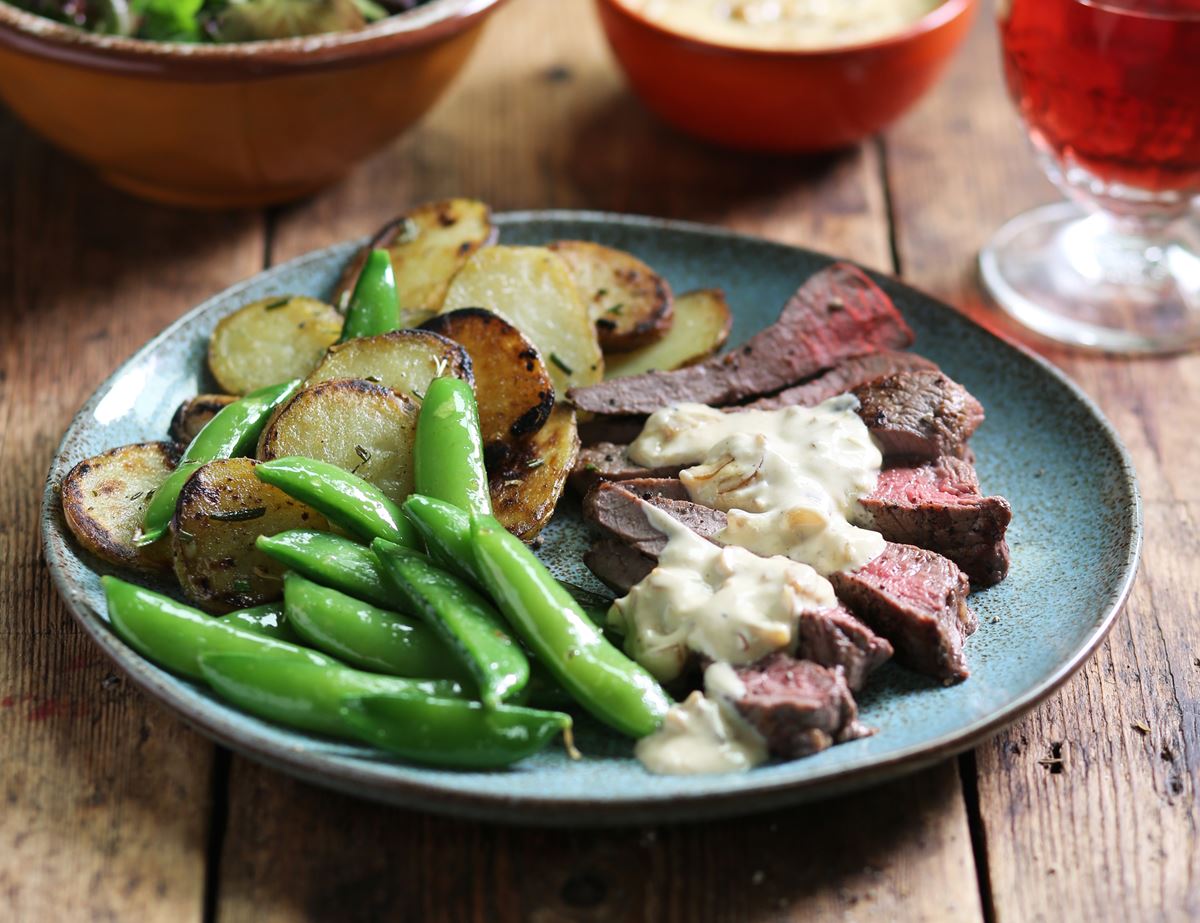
(919, 415)
(836, 314)
(939, 506)
(616, 565)
(799, 707)
(842, 378)
(917, 600)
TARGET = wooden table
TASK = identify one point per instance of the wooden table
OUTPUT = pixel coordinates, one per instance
(111, 809)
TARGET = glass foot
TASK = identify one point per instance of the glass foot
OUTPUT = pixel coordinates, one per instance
(1091, 281)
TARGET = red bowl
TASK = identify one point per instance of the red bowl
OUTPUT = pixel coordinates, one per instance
(782, 101)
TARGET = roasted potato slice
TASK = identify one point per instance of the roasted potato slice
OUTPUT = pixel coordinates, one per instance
(630, 304)
(532, 288)
(194, 413)
(514, 389)
(404, 360)
(362, 427)
(428, 245)
(272, 340)
(222, 509)
(701, 326)
(105, 498)
(526, 485)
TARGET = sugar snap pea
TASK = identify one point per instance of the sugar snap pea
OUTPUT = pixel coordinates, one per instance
(344, 498)
(446, 530)
(174, 635)
(366, 636)
(301, 695)
(448, 451)
(374, 305)
(332, 561)
(466, 622)
(603, 680)
(268, 620)
(449, 732)
(233, 432)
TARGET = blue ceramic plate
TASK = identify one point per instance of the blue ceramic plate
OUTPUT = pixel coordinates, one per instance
(1075, 538)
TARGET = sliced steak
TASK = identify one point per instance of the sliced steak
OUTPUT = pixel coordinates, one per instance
(799, 707)
(832, 637)
(840, 379)
(610, 429)
(616, 565)
(917, 600)
(835, 315)
(936, 506)
(622, 515)
(914, 416)
(913, 598)
(939, 506)
(830, 383)
(919, 415)
(610, 462)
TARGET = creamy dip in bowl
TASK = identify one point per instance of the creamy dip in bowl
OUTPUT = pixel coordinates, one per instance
(785, 25)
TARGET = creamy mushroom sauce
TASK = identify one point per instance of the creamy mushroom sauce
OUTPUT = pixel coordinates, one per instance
(796, 25)
(790, 480)
(705, 734)
(723, 603)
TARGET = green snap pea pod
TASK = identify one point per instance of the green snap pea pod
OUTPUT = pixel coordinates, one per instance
(233, 432)
(448, 451)
(466, 622)
(344, 498)
(449, 732)
(268, 620)
(374, 305)
(174, 635)
(332, 561)
(308, 698)
(446, 530)
(603, 680)
(366, 636)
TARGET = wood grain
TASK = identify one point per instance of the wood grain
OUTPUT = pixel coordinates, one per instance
(104, 798)
(1110, 833)
(106, 811)
(298, 853)
(541, 119)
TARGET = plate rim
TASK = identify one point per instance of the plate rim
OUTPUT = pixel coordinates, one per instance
(332, 770)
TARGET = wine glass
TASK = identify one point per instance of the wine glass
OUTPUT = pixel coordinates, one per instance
(1109, 91)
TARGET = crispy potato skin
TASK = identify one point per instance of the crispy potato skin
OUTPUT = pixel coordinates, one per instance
(513, 387)
(630, 304)
(701, 326)
(194, 413)
(533, 289)
(360, 426)
(104, 499)
(222, 509)
(527, 483)
(272, 340)
(404, 360)
(428, 245)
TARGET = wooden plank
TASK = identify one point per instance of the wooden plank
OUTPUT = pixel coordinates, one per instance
(1111, 832)
(297, 853)
(541, 119)
(105, 796)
